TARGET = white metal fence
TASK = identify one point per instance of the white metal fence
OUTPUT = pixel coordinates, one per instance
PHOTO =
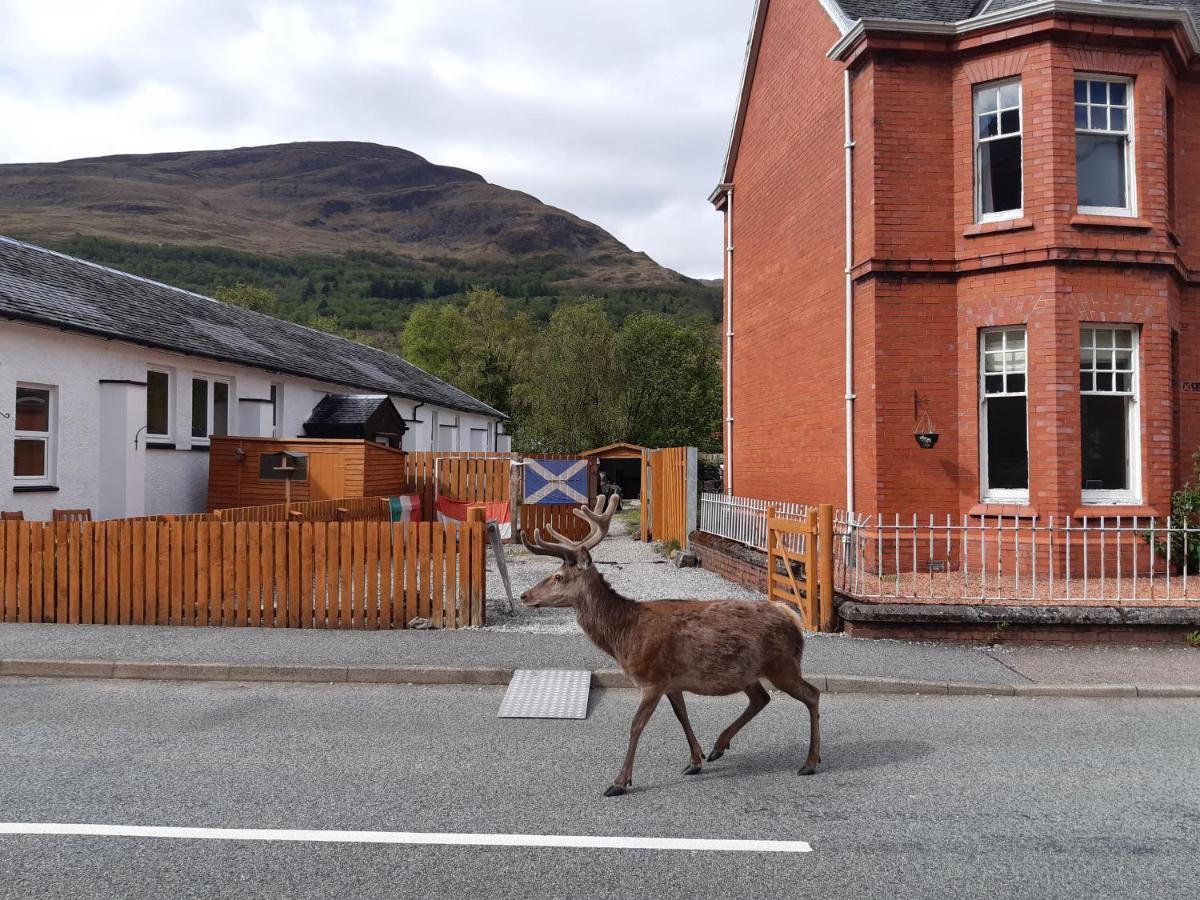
(1062, 560)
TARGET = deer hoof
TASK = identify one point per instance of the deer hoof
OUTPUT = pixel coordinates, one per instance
(808, 770)
(692, 770)
(615, 790)
(715, 755)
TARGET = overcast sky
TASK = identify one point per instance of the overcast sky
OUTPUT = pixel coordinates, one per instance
(617, 110)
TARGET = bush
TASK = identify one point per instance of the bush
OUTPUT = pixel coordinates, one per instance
(1185, 514)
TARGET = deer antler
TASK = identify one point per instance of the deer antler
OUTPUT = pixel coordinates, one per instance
(598, 520)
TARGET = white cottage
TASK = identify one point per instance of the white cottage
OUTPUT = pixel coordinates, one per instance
(111, 385)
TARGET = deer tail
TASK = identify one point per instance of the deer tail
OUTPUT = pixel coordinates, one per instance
(797, 621)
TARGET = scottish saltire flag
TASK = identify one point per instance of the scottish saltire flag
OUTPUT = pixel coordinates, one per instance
(556, 481)
(497, 511)
(405, 508)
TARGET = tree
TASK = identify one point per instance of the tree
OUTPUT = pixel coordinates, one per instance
(250, 297)
(435, 339)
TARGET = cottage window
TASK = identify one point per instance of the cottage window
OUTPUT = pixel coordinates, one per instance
(158, 403)
(998, 186)
(33, 438)
(210, 408)
(1103, 143)
(447, 435)
(1004, 433)
(1108, 386)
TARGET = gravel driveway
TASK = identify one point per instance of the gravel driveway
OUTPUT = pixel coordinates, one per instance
(630, 566)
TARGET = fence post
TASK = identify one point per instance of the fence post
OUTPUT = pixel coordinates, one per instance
(825, 539)
(691, 489)
(812, 604)
(515, 471)
(770, 541)
(477, 599)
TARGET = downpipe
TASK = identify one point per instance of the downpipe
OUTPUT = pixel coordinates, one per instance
(849, 311)
(728, 479)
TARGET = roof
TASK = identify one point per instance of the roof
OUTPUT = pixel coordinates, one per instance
(40, 285)
(854, 17)
(615, 449)
(348, 409)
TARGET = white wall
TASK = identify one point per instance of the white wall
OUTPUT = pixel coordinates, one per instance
(176, 480)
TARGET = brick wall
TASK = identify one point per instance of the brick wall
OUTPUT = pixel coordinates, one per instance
(1017, 634)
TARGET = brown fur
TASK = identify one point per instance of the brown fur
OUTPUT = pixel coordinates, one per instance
(671, 646)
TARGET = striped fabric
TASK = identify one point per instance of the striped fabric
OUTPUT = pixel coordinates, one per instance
(494, 511)
(405, 508)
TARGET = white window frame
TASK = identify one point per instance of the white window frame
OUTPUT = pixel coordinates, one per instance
(989, 494)
(440, 424)
(1131, 495)
(49, 438)
(153, 435)
(1130, 209)
(210, 396)
(276, 408)
(980, 216)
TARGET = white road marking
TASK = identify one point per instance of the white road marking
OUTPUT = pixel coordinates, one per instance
(407, 837)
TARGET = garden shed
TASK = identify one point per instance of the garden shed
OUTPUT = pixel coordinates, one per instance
(620, 463)
(248, 471)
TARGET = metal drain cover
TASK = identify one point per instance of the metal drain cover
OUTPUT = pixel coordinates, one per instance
(546, 694)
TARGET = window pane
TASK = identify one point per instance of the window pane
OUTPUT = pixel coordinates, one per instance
(1116, 120)
(1099, 118)
(199, 408)
(274, 406)
(1124, 338)
(1100, 170)
(1105, 443)
(1124, 382)
(988, 126)
(1010, 121)
(985, 100)
(1124, 360)
(158, 403)
(1010, 94)
(1016, 340)
(1081, 116)
(1081, 91)
(1007, 450)
(1086, 381)
(1000, 175)
(1104, 337)
(1098, 91)
(1104, 381)
(220, 408)
(994, 384)
(993, 340)
(1016, 384)
(29, 458)
(33, 409)
(1116, 93)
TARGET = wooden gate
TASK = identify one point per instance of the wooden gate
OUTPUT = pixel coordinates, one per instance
(800, 565)
(669, 494)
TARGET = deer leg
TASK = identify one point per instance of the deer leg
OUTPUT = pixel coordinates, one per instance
(759, 698)
(676, 698)
(810, 696)
(650, 698)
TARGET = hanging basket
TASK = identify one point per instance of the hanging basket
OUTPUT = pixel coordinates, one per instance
(926, 434)
(927, 440)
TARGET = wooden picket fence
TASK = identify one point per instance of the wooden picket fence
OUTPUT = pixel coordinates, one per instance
(668, 501)
(349, 509)
(369, 575)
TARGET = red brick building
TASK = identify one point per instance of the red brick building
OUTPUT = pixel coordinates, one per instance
(1019, 186)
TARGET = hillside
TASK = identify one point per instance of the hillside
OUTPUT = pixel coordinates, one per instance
(320, 198)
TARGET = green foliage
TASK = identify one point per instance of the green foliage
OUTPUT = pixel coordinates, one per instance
(1185, 514)
(1193, 639)
(247, 295)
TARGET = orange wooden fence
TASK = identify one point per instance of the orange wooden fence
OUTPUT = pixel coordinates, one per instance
(265, 574)
(665, 496)
(800, 565)
(349, 509)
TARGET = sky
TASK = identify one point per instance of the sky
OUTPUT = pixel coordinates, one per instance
(616, 110)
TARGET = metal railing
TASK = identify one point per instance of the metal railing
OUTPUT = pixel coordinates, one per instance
(1125, 560)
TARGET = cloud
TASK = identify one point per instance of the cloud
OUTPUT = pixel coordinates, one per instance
(616, 111)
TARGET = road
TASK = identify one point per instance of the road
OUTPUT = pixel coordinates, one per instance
(918, 797)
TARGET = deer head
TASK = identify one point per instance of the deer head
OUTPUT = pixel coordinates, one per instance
(570, 583)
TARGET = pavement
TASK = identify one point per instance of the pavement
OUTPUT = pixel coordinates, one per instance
(936, 797)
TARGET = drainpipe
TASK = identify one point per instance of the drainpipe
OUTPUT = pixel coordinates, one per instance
(728, 479)
(849, 301)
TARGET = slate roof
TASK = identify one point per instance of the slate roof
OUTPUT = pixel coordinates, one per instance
(346, 409)
(39, 285)
(945, 11)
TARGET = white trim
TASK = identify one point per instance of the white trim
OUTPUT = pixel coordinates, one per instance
(1014, 14)
(1131, 495)
(988, 494)
(48, 438)
(1130, 208)
(210, 406)
(442, 839)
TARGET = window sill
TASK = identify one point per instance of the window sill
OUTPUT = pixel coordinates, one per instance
(996, 227)
(1088, 220)
(160, 445)
(1111, 510)
(35, 489)
(1008, 510)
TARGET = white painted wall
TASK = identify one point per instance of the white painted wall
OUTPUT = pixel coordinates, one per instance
(174, 480)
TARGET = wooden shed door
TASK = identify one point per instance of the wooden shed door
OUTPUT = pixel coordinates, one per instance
(326, 476)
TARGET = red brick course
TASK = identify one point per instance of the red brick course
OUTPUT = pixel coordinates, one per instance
(1018, 634)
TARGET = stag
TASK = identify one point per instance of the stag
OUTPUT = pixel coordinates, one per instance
(714, 648)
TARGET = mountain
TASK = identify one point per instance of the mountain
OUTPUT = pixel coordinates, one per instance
(320, 199)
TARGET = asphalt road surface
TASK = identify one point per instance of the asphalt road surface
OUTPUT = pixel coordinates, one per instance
(918, 796)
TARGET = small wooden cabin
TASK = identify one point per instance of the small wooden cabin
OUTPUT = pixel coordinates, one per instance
(247, 472)
(621, 463)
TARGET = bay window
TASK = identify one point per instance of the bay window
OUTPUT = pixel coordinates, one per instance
(1103, 145)
(1003, 416)
(1108, 387)
(997, 128)
(210, 408)
(33, 437)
